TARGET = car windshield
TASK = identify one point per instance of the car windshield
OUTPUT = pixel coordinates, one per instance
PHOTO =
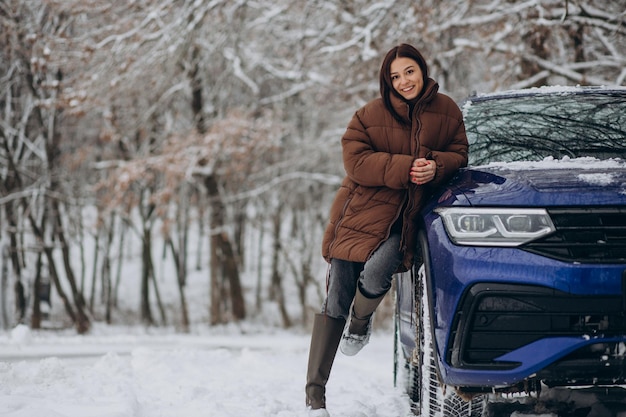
(532, 127)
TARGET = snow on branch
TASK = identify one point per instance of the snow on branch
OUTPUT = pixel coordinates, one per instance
(327, 179)
(486, 17)
(532, 81)
(565, 71)
(298, 88)
(238, 71)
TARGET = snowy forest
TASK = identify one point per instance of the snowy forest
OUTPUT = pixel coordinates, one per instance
(183, 154)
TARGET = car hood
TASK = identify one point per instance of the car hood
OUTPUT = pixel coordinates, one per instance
(580, 181)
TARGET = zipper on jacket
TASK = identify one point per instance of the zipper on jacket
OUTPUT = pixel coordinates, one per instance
(410, 189)
(405, 219)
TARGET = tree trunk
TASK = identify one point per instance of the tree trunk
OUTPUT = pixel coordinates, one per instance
(4, 285)
(223, 259)
(35, 318)
(201, 231)
(54, 276)
(577, 36)
(94, 271)
(223, 262)
(146, 256)
(81, 246)
(231, 273)
(82, 321)
(259, 280)
(106, 271)
(239, 232)
(276, 288)
(181, 272)
(215, 307)
(120, 262)
(536, 40)
(157, 294)
(307, 277)
(14, 254)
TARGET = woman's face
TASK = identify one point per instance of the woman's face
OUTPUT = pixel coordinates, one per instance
(406, 77)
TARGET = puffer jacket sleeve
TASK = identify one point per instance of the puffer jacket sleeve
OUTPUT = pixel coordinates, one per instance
(366, 161)
(453, 152)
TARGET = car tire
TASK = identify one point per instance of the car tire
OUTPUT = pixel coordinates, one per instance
(429, 397)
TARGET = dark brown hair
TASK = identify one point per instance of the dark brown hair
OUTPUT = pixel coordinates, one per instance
(386, 87)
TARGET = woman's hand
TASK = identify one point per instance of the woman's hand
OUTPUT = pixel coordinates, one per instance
(422, 171)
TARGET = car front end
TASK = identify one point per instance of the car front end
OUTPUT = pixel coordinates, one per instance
(527, 282)
(524, 252)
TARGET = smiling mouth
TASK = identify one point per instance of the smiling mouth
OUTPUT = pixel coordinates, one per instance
(407, 89)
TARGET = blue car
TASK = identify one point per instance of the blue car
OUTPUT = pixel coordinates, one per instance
(521, 284)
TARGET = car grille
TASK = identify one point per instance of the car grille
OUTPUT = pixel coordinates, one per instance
(498, 318)
(586, 235)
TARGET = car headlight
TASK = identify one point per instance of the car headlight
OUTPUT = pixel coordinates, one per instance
(495, 226)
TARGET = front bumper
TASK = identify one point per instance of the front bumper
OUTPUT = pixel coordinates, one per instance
(514, 331)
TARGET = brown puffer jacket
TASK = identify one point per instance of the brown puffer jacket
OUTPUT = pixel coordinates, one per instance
(378, 152)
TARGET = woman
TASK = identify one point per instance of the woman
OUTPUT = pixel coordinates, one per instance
(396, 149)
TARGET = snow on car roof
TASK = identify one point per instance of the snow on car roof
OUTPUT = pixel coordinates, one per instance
(543, 90)
(583, 163)
(551, 89)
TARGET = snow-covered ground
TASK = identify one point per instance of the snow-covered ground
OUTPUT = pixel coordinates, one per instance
(228, 371)
(211, 372)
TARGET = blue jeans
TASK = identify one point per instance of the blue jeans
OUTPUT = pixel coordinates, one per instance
(372, 277)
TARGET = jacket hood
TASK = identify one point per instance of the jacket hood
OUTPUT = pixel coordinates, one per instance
(581, 182)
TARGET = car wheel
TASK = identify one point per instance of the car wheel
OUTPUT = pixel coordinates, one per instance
(430, 398)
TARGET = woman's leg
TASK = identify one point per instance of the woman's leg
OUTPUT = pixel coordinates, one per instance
(327, 329)
(373, 283)
(342, 282)
(377, 275)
